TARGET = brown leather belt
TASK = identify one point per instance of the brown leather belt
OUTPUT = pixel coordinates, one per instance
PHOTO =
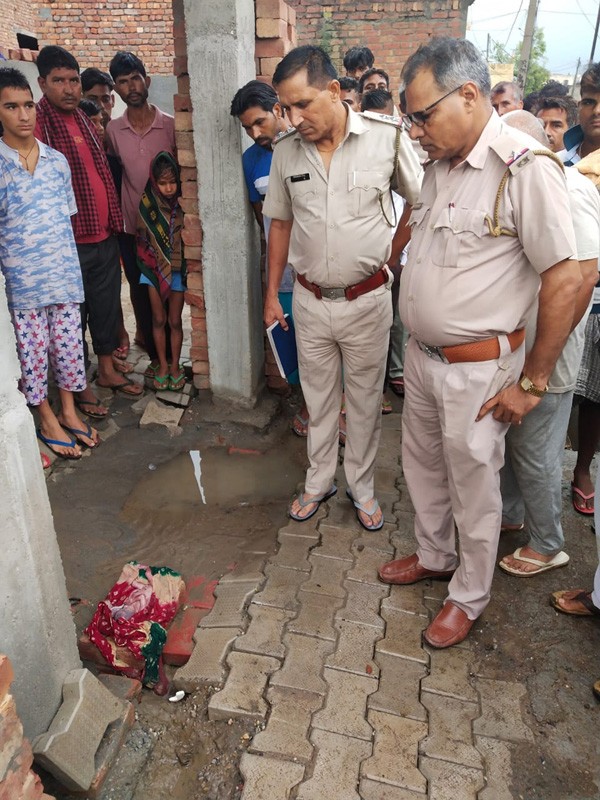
(483, 350)
(349, 292)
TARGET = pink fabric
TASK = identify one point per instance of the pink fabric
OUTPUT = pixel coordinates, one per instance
(135, 152)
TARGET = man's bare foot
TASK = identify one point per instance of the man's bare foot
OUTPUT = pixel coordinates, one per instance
(371, 520)
(304, 510)
(524, 566)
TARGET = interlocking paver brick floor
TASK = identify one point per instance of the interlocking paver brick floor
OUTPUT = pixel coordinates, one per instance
(373, 790)
(498, 768)
(207, 662)
(450, 730)
(336, 767)
(269, 778)
(327, 576)
(396, 751)
(447, 781)
(264, 635)
(335, 542)
(501, 714)
(354, 651)
(403, 635)
(228, 610)
(242, 695)
(362, 603)
(406, 598)
(281, 588)
(398, 691)
(303, 665)
(346, 704)
(366, 562)
(293, 552)
(288, 728)
(449, 674)
(315, 617)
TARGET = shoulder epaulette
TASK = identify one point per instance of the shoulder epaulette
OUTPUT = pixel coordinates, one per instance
(283, 135)
(386, 118)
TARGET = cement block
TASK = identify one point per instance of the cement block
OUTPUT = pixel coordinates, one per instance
(448, 781)
(308, 530)
(326, 576)
(288, 728)
(269, 778)
(372, 790)
(366, 562)
(450, 730)
(293, 553)
(336, 767)
(242, 695)
(315, 617)
(375, 540)
(346, 705)
(449, 674)
(67, 750)
(362, 604)
(396, 751)
(355, 647)
(229, 608)
(403, 635)
(501, 714)
(281, 588)
(126, 689)
(249, 571)
(159, 414)
(406, 598)
(336, 542)
(398, 691)
(179, 399)
(498, 769)
(303, 665)
(265, 632)
(207, 662)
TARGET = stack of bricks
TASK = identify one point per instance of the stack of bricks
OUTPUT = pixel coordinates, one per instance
(21, 54)
(275, 35)
(392, 29)
(94, 32)
(17, 780)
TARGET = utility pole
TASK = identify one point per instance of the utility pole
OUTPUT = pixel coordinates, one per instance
(595, 36)
(575, 77)
(527, 43)
(487, 49)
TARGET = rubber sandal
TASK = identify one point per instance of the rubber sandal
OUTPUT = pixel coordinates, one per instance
(397, 386)
(575, 491)
(386, 407)
(300, 426)
(582, 597)
(177, 384)
(305, 503)
(120, 388)
(58, 443)
(46, 463)
(561, 559)
(121, 352)
(95, 403)
(161, 383)
(369, 513)
(151, 369)
(77, 432)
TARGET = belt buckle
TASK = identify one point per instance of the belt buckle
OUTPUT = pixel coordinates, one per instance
(332, 293)
(437, 353)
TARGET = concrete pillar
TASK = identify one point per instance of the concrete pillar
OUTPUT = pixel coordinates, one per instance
(220, 45)
(37, 631)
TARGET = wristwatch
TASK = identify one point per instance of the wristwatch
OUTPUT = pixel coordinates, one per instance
(531, 388)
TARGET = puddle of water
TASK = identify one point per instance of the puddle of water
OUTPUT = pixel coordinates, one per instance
(216, 478)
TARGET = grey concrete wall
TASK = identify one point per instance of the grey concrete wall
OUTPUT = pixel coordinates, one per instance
(220, 44)
(37, 631)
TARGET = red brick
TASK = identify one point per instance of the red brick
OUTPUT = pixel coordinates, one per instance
(202, 381)
(182, 102)
(200, 368)
(271, 28)
(270, 48)
(194, 282)
(183, 121)
(189, 204)
(187, 158)
(184, 140)
(268, 65)
(188, 174)
(266, 9)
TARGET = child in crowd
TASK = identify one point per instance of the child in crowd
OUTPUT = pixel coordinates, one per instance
(161, 261)
(93, 111)
(38, 259)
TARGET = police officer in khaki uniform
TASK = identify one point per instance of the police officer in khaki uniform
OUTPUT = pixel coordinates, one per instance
(330, 203)
(475, 267)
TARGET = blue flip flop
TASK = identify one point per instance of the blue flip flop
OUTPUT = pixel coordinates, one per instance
(77, 432)
(304, 503)
(58, 443)
(369, 513)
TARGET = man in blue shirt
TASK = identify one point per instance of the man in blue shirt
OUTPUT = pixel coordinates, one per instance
(256, 105)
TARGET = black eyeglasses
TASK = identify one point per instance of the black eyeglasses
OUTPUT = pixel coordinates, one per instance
(419, 118)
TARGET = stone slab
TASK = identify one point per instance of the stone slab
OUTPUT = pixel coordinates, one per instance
(109, 750)
(396, 751)
(372, 790)
(159, 414)
(288, 727)
(303, 665)
(243, 693)
(447, 781)
(281, 588)
(179, 399)
(346, 705)
(501, 714)
(68, 749)
(249, 571)
(398, 691)
(207, 662)
(229, 608)
(355, 647)
(269, 778)
(265, 632)
(450, 730)
(403, 635)
(326, 577)
(362, 604)
(315, 615)
(336, 768)
(406, 598)
(293, 552)
(449, 674)
(498, 769)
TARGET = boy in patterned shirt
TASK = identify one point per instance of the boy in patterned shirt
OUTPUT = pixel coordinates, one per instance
(38, 259)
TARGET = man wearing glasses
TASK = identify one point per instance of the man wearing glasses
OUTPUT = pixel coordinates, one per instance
(474, 269)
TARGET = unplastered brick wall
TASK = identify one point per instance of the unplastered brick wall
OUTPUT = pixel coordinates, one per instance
(16, 16)
(94, 31)
(391, 29)
(17, 780)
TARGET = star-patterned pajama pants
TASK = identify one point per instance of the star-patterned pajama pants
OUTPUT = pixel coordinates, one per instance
(49, 333)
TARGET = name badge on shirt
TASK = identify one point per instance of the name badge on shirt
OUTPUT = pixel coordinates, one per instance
(297, 178)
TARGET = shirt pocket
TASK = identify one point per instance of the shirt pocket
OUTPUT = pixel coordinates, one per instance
(417, 215)
(302, 195)
(365, 189)
(457, 237)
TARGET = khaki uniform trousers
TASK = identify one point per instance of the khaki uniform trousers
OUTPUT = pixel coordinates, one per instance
(452, 466)
(353, 335)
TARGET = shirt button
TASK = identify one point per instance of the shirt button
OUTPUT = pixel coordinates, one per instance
(331, 225)
(331, 194)
(418, 260)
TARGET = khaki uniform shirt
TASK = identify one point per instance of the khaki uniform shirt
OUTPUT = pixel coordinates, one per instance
(339, 234)
(461, 283)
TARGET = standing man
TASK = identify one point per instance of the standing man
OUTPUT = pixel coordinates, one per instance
(97, 85)
(372, 79)
(557, 115)
(349, 92)
(63, 126)
(331, 211)
(474, 270)
(358, 59)
(507, 96)
(136, 138)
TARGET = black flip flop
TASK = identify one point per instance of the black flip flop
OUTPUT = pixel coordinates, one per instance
(77, 432)
(120, 388)
(95, 403)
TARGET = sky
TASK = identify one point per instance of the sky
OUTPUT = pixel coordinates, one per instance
(568, 28)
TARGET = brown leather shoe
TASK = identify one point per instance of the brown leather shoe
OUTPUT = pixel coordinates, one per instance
(450, 627)
(408, 570)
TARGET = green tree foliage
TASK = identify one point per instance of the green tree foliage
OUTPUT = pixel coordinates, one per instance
(537, 75)
(499, 54)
